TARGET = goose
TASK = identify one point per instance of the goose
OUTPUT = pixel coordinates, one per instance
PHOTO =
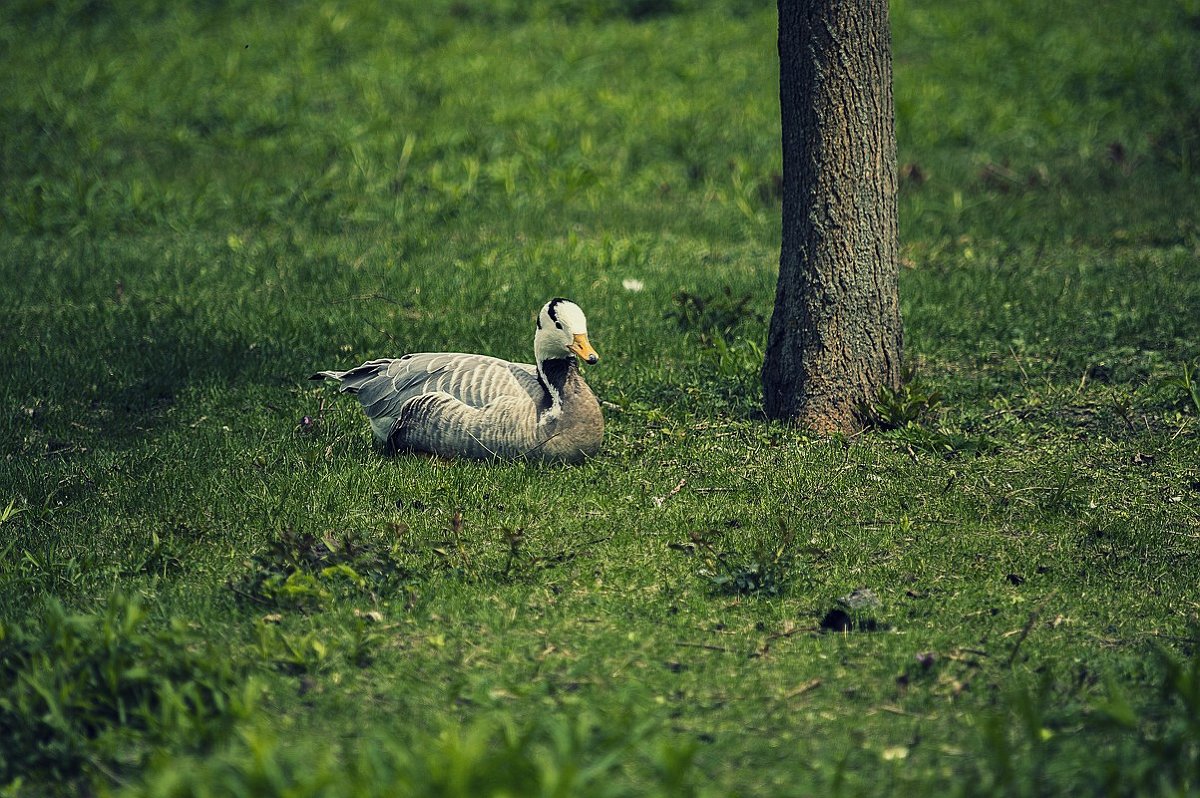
(460, 405)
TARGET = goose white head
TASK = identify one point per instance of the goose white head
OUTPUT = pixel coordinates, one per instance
(562, 332)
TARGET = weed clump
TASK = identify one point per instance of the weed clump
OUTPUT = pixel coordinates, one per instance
(767, 570)
(81, 694)
(911, 403)
(908, 415)
(299, 570)
(1187, 387)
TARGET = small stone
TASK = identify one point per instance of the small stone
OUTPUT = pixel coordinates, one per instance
(862, 598)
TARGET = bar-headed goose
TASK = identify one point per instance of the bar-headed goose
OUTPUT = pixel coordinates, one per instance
(456, 405)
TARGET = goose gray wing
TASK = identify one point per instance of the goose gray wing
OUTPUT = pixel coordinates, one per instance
(383, 386)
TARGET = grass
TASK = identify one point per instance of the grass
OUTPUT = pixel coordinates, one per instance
(212, 584)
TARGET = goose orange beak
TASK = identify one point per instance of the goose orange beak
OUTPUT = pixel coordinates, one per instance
(582, 348)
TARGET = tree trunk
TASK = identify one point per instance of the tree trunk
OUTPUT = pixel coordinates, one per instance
(835, 336)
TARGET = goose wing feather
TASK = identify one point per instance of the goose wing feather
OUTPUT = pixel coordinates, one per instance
(439, 423)
(384, 386)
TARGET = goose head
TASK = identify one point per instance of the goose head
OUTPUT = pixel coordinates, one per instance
(562, 333)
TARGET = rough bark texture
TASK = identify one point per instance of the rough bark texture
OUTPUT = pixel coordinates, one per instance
(835, 336)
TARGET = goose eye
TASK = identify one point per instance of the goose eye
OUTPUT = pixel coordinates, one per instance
(558, 324)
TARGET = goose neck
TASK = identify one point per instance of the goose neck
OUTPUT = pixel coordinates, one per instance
(554, 374)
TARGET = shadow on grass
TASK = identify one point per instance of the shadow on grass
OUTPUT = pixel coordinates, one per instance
(114, 375)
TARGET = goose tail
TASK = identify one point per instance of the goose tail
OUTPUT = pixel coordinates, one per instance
(353, 379)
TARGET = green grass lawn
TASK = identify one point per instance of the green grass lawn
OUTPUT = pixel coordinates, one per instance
(212, 583)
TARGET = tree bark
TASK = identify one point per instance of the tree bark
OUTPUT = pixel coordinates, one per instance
(835, 337)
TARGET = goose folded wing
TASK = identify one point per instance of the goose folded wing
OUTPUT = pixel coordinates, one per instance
(383, 386)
